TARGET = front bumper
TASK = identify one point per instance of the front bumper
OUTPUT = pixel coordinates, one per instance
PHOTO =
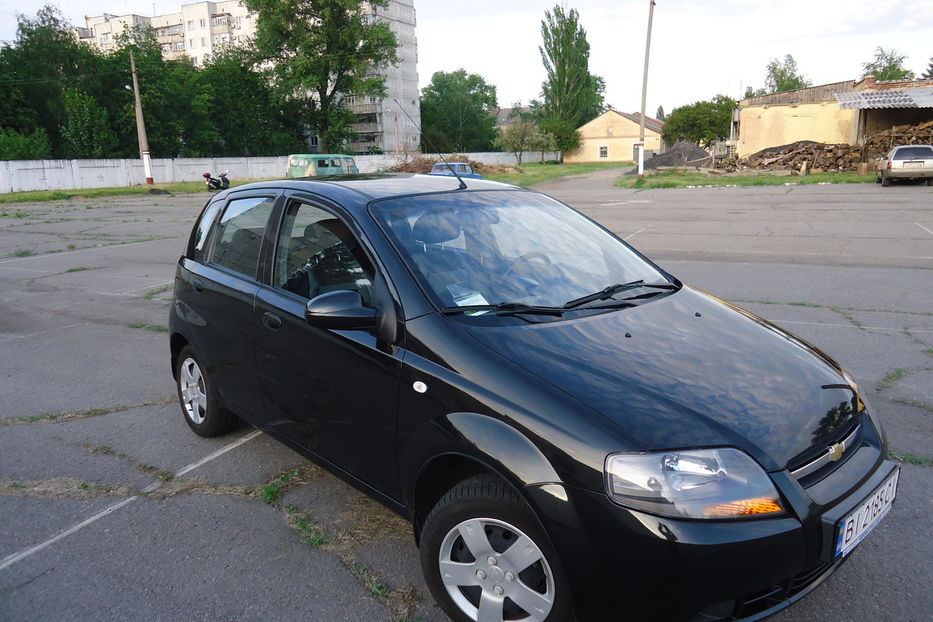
(625, 564)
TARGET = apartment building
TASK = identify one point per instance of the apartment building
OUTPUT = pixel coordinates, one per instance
(200, 29)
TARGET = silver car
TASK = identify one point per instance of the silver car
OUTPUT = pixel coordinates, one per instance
(906, 162)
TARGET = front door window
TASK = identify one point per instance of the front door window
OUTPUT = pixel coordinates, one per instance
(317, 254)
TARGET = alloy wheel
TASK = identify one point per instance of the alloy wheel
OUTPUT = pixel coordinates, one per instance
(493, 572)
(192, 391)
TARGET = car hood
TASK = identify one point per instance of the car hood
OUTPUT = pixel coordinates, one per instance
(688, 370)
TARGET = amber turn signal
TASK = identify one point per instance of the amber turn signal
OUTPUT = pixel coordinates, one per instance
(745, 507)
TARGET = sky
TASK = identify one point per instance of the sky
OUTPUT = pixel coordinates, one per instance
(698, 48)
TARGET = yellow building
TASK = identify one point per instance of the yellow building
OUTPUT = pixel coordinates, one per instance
(841, 112)
(611, 137)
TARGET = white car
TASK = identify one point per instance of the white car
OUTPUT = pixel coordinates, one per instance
(906, 162)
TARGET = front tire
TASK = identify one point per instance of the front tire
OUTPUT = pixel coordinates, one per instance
(486, 557)
(198, 398)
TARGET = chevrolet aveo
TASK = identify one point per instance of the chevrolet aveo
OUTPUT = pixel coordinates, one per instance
(574, 433)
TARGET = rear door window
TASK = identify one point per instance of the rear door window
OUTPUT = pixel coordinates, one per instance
(239, 234)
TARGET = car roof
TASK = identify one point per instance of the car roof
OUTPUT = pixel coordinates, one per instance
(373, 187)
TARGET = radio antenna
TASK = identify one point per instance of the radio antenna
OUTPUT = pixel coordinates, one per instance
(463, 186)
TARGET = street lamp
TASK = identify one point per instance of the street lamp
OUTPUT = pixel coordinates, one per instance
(644, 94)
(140, 124)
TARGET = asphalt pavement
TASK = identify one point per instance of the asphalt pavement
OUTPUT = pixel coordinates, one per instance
(110, 508)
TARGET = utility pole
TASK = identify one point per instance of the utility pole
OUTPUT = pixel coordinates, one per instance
(140, 124)
(644, 95)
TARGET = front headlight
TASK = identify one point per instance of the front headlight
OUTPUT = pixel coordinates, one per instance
(693, 483)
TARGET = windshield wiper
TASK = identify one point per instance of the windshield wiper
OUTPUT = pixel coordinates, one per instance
(504, 308)
(608, 292)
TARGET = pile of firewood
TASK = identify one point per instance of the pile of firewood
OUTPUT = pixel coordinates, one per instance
(816, 157)
(879, 144)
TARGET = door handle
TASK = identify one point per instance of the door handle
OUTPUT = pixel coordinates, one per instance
(198, 285)
(271, 321)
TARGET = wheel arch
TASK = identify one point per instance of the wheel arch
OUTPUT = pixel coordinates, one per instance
(487, 446)
(177, 343)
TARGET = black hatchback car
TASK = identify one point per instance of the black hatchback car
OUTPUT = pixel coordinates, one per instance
(573, 432)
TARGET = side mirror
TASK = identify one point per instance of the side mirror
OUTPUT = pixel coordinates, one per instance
(342, 309)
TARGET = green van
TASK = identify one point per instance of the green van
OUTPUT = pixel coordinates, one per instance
(320, 164)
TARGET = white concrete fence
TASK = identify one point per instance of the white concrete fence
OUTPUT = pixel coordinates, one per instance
(22, 175)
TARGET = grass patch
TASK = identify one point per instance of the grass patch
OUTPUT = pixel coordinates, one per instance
(928, 352)
(535, 172)
(157, 328)
(22, 252)
(308, 532)
(852, 319)
(37, 196)
(370, 580)
(681, 179)
(152, 293)
(272, 492)
(914, 403)
(888, 381)
(78, 269)
(809, 305)
(909, 458)
(69, 415)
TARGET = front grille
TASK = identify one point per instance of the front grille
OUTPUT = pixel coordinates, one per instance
(776, 594)
(819, 462)
(764, 599)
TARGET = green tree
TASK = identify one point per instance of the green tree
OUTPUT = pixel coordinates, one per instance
(22, 146)
(571, 95)
(887, 65)
(702, 122)
(518, 135)
(783, 75)
(456, 112)
(542, 142)
(86, 131)
(250, 117)
(321, 50)
(43, 60)
(751, 91)
(659, 115)
(928, 74)
(176, 104)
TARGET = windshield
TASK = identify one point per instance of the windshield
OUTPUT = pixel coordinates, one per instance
(485, 248)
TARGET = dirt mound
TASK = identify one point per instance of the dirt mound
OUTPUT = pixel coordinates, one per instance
(682, 153)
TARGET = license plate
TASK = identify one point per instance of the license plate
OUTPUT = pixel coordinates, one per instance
(854, 527)
(913, 164)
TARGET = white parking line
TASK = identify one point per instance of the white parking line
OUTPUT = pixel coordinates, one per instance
(924, 228)
(630, 236)
(15, 557)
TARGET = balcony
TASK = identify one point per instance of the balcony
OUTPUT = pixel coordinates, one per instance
(360, 128)
(364, 108)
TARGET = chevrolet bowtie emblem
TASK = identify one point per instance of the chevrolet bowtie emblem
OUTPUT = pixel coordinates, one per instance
(836, 451)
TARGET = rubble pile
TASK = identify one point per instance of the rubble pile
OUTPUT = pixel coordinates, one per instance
(820, 157)
(682, 153)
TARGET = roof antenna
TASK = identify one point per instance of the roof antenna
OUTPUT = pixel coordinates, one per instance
(463, 186)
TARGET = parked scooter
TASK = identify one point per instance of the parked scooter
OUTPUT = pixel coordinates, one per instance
(216, 183)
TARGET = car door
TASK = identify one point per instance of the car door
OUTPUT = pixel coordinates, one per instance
(335, 392)
(221, 284)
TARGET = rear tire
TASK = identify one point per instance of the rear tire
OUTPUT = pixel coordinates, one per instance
(486, 557)
(200, 403)
(885, 180)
